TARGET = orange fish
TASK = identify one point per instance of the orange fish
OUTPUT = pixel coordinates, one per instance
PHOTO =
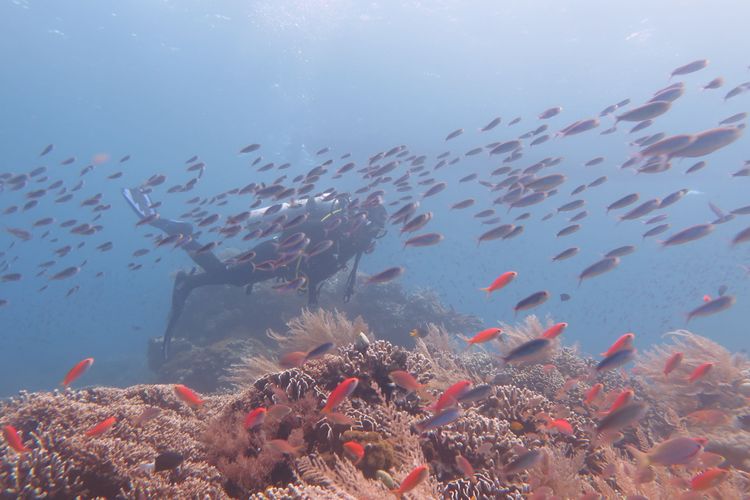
(340, 393)
(255, 418)
(500, 282)
(567, 386)
(624, 342)
(484, 336)
(283, 446)
(406, 381)
(13, 439)
(415, 477)
(292, 359)
(672, 363)
(187, 395)
(465, 467)
(708, 417)
(278, 411)
(621, 400)
(700, 372)
(101, 427)
(561, 425)
(708, 479)
(592, 393)
(554, 330)
(339, 418)
(77, 371)
(355, 450)
(450, 396)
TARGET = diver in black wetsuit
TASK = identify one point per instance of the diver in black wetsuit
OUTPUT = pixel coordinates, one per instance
(351, 228)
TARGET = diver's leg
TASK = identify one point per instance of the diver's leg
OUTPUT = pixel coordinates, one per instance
(237, 275)
(313, 289)
(141, 204)
(184, 284)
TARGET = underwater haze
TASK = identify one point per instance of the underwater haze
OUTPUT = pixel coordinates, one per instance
(161, 82)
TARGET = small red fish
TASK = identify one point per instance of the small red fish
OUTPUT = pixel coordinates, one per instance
(77, 371)
(706, 298)
(292, 359)
(354, 450)
(340, 393)
(484, 336)
(339, 418)
(700, 372)
(625, 397)
(672, 363)
(101, 427)
(415, 477)
(561, 425)
(187, 395)
(13, 439)
(255, 418)
(283, 446)
(450, 396)
(500, 282)
(567, 386)
(708, 479)
(465, 467)
(592, 393)
(406, 381)
(709, 417)
(554, 330)
(278, 411)
(624, 342)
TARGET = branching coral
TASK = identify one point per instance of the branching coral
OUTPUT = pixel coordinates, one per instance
(63, 462)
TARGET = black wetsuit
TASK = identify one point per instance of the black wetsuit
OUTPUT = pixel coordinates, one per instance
(352, 229)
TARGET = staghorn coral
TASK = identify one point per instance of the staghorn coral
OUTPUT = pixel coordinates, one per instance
(66, 463)
(42, 471)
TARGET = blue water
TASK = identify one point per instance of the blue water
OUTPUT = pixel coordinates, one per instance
(163, 81)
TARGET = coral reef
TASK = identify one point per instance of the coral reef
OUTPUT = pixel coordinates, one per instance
(299, 452)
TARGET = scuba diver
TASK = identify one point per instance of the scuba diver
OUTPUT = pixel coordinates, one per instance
(316, 240)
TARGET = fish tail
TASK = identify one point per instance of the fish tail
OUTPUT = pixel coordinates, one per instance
(397, 492)
(641, 458)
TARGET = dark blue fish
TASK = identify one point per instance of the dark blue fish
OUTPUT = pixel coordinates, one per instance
(615, 360)
(443, 418)
(527, 350)
(533, 300)
(319, 351)
(168, 460)
(481, 391)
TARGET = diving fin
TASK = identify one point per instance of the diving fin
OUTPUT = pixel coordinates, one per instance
(138, 201)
